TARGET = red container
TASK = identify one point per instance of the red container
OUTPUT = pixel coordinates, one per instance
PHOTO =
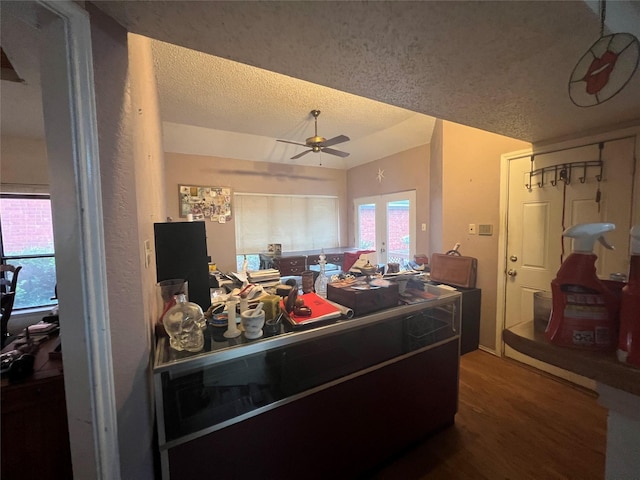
(629, 338)
(585, 309)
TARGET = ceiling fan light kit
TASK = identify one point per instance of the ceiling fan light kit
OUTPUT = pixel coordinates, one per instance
(318, 144)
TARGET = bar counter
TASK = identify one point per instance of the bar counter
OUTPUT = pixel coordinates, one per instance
(336, 399)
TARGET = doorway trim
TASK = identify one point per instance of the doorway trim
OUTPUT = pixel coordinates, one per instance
(502, 244)
(72, 146)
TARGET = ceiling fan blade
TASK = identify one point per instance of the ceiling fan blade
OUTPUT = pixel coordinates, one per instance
(331, 151)
(301, 154)
(334, 141)
(292, 143)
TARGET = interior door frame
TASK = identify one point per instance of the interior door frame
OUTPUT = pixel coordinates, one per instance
(504, 207)
(502, 245)
(75, 187)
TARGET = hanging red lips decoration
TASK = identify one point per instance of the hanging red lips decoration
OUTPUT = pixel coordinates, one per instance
(599, 72)
(604, 69)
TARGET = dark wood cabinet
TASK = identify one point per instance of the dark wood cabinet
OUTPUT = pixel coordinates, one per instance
(35, 434)
(293, 265)
(334, 261)
(471, 302)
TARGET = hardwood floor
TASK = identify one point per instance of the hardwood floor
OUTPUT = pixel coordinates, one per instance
(512, 423)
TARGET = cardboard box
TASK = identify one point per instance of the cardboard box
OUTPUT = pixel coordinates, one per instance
(364, 301)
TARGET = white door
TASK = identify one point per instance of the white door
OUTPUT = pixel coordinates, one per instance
(386, 224)
(538, 215)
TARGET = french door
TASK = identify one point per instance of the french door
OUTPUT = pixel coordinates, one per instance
(387, 224)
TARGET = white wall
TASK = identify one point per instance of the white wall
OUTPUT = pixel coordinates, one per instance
(149, 172)
(23, 165)
(121, 150)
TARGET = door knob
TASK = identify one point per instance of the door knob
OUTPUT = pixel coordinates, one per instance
(513, 258)
(511, 272)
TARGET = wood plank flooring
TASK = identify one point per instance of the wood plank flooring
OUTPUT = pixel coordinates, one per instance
(513, 422)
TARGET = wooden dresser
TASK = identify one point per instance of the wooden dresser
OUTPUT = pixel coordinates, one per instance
(331, 258)
(294, 263)
(35, 434)
(291, 265)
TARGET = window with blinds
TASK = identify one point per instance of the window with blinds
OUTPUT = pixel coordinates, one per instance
(298, 222)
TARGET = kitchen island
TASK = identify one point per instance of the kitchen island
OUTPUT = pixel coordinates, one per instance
(327, 402)
(618, 386)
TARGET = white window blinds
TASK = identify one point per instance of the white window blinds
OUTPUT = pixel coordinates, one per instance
(298, 222)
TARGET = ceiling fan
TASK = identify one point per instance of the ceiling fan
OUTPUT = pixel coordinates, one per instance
(320, 144)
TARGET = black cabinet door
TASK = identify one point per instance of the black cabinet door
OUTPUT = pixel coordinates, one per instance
(181, 252)
(470, 335)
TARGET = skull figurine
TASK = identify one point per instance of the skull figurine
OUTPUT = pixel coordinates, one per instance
(183, 322)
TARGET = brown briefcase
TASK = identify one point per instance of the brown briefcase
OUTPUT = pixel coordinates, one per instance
(454, 270)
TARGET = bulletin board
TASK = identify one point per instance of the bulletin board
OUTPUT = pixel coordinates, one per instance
(205, 203)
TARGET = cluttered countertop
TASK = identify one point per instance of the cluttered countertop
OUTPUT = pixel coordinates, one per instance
(362, 299)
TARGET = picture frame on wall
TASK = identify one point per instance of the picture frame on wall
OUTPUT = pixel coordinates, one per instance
(205, 203)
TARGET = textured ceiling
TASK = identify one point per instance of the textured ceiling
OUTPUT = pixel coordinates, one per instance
(214, 106)
(499, 66)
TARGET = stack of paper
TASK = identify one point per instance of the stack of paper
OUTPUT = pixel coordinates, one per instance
(270, 276)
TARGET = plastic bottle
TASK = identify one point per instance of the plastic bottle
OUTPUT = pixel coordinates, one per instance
(585, 310)
(629, 338)
(245, 265)
(322, 280)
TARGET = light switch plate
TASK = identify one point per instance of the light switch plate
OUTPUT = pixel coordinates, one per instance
(147, 253)
(472, 229)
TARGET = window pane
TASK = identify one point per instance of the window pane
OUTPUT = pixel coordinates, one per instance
(36, 282)
(26, 226)
(322, 234)
(398, 231)
(252, 260)
(367, 226)
(297, 222)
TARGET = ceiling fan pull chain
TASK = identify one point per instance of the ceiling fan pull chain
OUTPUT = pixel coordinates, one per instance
(599, 177)
(603, 14)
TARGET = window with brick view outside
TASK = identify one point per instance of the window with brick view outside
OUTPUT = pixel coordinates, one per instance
(27, 240)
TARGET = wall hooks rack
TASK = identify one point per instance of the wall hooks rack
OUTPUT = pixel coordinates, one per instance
(562, 172)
